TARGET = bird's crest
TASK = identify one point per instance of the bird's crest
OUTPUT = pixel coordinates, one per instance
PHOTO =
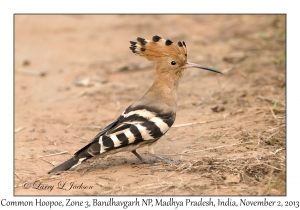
(158, 48)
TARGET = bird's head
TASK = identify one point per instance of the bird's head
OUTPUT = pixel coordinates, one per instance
(169, 57)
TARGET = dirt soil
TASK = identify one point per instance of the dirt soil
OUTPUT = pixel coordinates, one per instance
(74, 74)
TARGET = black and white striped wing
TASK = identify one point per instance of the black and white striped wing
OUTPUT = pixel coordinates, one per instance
(132, 127)
(136, 125)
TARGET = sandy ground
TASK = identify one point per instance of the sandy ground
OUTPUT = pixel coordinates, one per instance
(74, 74)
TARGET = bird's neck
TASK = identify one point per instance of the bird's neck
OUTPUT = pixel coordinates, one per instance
(164, 89)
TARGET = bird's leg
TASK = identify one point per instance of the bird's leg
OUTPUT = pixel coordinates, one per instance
(151, 151)
(142, 159)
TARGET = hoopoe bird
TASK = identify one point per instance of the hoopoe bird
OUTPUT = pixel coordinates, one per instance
(148, 119)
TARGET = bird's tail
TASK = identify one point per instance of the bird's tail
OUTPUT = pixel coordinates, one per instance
(66, 165)
(80, 156)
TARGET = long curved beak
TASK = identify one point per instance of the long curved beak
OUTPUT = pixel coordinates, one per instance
(194, 65)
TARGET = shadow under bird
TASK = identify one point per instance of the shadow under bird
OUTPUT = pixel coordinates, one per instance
(148, 119)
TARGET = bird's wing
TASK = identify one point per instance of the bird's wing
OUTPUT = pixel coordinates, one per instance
(110, 126)
(132, 127)
(90, 149)
(136, 126)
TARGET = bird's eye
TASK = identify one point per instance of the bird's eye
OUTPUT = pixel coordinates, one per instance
(173, 63)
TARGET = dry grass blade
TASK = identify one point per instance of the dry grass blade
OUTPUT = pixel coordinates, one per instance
(59, 153)
(227, 70)
(19, 129)
(221, 86)
(272, 101)
(272, 135)
(18, 176)
(48, 162)
(31, 72)
(272, 167)
(66, 128)
(278, 150)
(80, 137)
(216, 185)
(195, 123)
(91, 126)
(273, 114)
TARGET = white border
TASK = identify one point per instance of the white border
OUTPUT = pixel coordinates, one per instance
(8, 8)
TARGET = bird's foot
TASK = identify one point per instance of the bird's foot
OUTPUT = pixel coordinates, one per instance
(149, 161)
(166, 160)
(156, 157)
